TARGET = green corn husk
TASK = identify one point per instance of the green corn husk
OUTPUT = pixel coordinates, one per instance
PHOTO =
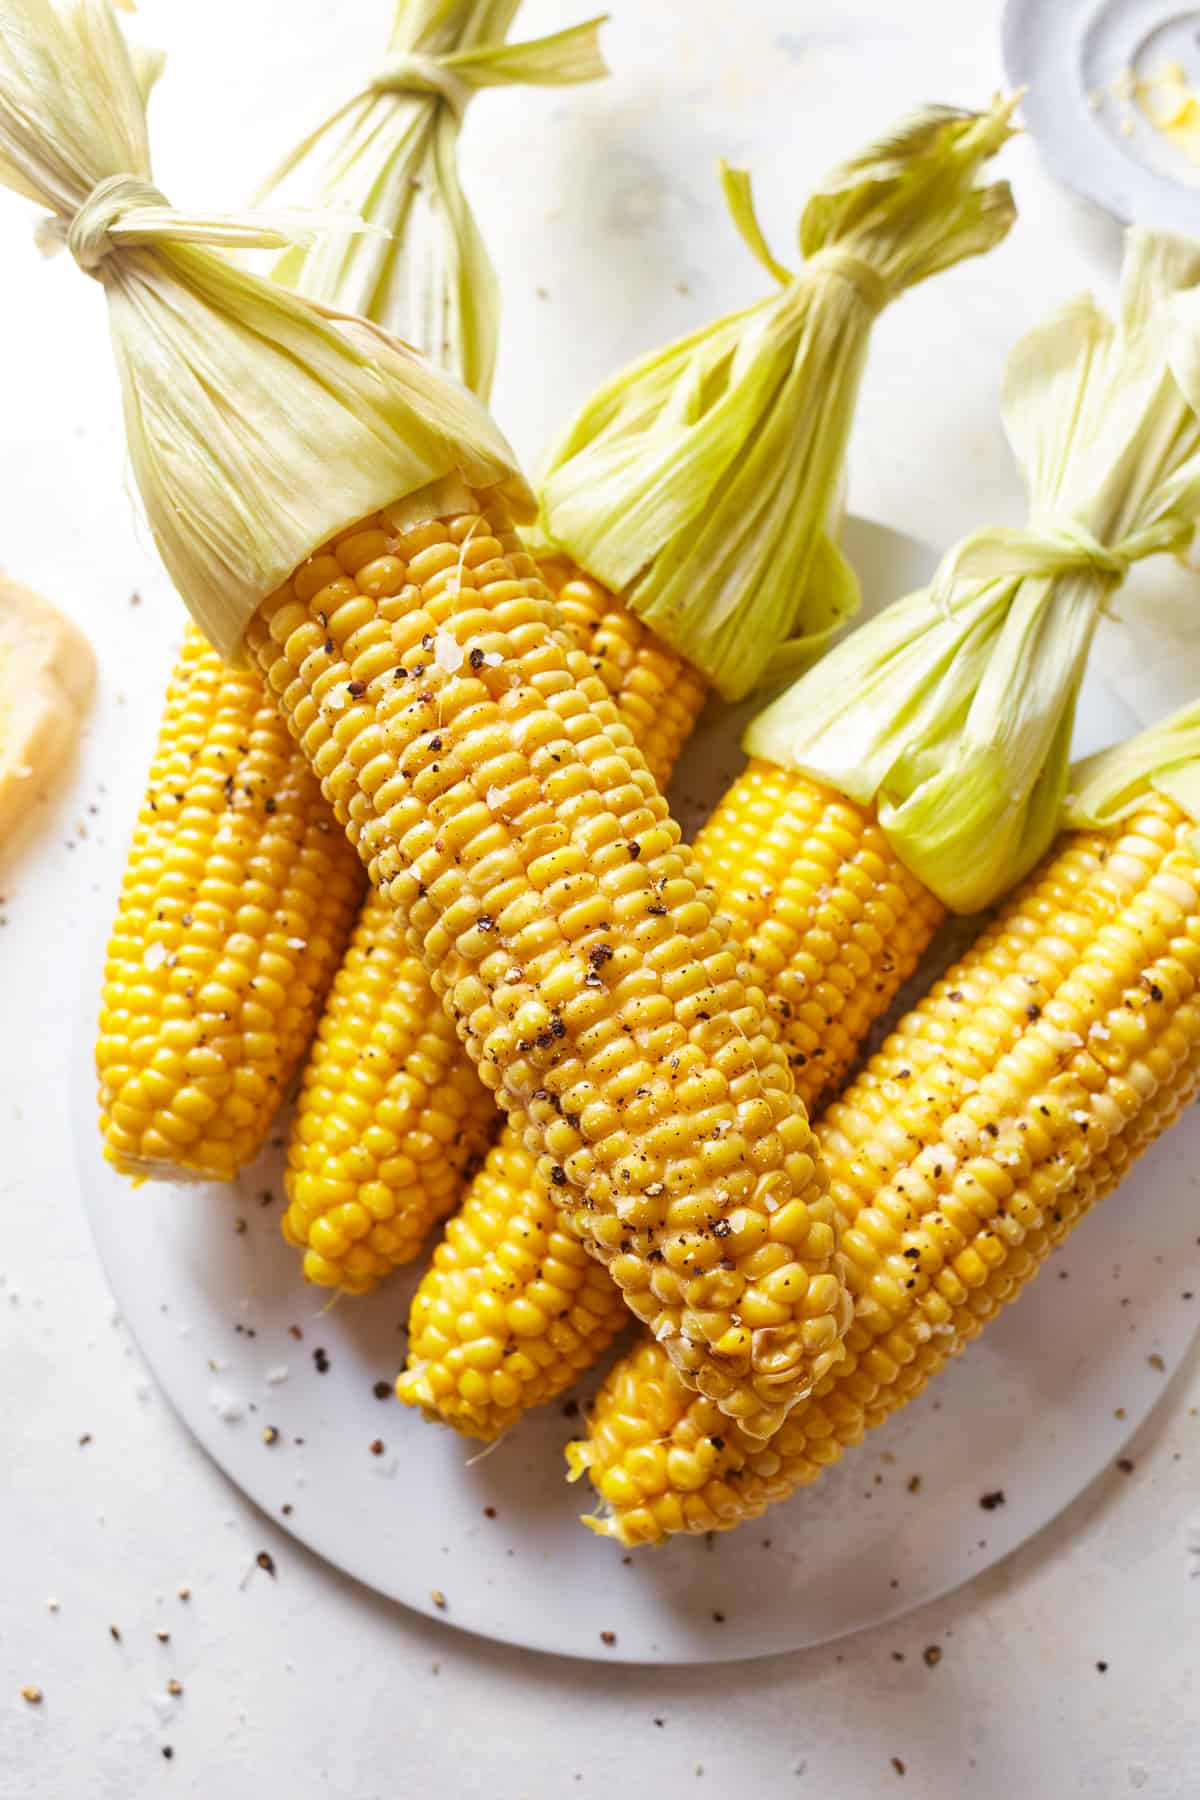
(389, 154)
(703, 483)
(258, 423)
(1164, 759)
(952, 711)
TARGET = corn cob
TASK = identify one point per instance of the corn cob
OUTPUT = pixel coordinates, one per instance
(513, 1309)
(389, 1118)
(236, 903)
(659, 695)
(832, 922)
(1004, 1105)
(392, 1113)
(833, 925)
(497, 799)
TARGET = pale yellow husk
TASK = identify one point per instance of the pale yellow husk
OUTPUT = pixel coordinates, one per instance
(258, 423)
(704, 482)
(952, 711)
(1163, 759)
(389, 155)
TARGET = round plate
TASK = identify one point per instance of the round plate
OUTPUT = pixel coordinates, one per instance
(1069, 54)
(490, 1542)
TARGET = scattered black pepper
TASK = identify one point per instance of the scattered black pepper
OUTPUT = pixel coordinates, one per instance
(489, 1512)
(933, 1655)
(608, 1637)
(239, 1226)
(378, 1447)
(896, 1763)
(475, 657)
(321, 1360)
(718, 1618)
(86, 1438)
(1102, 1667)
(914, 1484)
(266, 1561)
(570, 1409)
(382, 1390)
(164, 1637)
(167, 1751)
(114, 1632)
(1125, 1464)
(990, 1502)
(356, 689)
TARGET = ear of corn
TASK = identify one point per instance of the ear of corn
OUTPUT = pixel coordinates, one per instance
(236, 903)
(658, 694)
(497, 799)
(832, 926)
(832, 922)
(1008, 1101)
(512, 1309)
(392, 1112)
(391, 1115)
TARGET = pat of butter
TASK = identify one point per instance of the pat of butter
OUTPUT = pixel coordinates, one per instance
(1169, 103)
(46, 677)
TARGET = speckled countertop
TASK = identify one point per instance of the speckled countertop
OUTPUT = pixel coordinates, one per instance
(129, 1564)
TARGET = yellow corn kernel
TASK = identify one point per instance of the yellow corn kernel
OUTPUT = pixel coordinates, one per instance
(390, 1116)
(833, 925)
(494, 728)
(385, 1049)
(999, 1110)
(831, 921)
(659, 695)
(236, 905)
(512, 1309)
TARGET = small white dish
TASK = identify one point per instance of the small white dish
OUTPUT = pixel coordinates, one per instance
(490, 1542)
(1076, 57)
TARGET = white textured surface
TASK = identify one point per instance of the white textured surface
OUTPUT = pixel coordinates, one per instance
(304, 1685)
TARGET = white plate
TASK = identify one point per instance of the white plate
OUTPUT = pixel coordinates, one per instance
(1031, 1410)
(1068, 54)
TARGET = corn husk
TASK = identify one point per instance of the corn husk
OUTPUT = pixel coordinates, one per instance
(952, 711)
(704, 482)
(258, 423)
(390, 155)
(1165, 759)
